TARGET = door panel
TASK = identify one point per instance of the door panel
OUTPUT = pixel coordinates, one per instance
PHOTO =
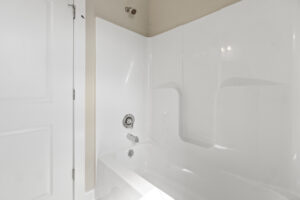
(36, 106)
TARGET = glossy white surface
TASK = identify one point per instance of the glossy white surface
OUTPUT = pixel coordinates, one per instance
(153, 169)
(119, 181)
(225, 105)
(36, 84)
(80, 153)
(121, 85)
(236, 73)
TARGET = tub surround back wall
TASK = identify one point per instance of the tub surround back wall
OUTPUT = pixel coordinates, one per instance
(222, 91)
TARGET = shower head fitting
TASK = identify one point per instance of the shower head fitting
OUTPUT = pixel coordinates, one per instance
(130, 10)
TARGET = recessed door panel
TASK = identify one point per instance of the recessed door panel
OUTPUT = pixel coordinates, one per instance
(36, 104)
(25, 39)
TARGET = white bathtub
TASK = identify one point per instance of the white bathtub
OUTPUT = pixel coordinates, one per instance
(152, 174)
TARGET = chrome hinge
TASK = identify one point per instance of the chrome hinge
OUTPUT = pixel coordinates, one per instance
(73, 174)
(74, 94)
(74, 10)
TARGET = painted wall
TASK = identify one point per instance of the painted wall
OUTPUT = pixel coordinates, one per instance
(90, 111)
(168, 14)
(156, 16)
(226, 91)
(122, 85)
(114, 11)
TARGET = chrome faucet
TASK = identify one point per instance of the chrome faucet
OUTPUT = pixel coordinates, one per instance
(133, 138)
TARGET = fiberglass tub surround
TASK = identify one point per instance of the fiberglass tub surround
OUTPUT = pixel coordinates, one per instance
(222, 119)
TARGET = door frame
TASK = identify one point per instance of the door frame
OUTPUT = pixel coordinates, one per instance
(79, 102)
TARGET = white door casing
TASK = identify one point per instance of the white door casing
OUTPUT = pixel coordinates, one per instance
(36, 100)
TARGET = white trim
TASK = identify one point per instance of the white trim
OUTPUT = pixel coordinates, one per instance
(79, 103)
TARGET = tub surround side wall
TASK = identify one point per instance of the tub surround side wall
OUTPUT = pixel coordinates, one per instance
(122, 83)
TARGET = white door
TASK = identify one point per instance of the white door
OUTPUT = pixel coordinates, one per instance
(36, 106)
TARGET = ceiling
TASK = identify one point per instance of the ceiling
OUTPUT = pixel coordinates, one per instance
(156, 16)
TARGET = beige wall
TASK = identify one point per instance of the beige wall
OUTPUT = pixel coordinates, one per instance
(167, 14)
(156, 16)
(90, 161)
(114, 11)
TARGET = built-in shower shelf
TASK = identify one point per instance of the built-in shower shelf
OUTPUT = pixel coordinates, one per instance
(247, 82)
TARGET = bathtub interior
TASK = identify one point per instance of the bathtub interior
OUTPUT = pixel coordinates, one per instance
(119, 178)
(152, 169)
(216, 104)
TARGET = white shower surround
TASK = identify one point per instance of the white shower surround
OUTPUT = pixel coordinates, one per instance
(122, 84)
(223, 91)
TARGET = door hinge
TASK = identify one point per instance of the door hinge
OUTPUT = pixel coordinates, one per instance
(74, 93)
(74, 10)
(73, 174)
